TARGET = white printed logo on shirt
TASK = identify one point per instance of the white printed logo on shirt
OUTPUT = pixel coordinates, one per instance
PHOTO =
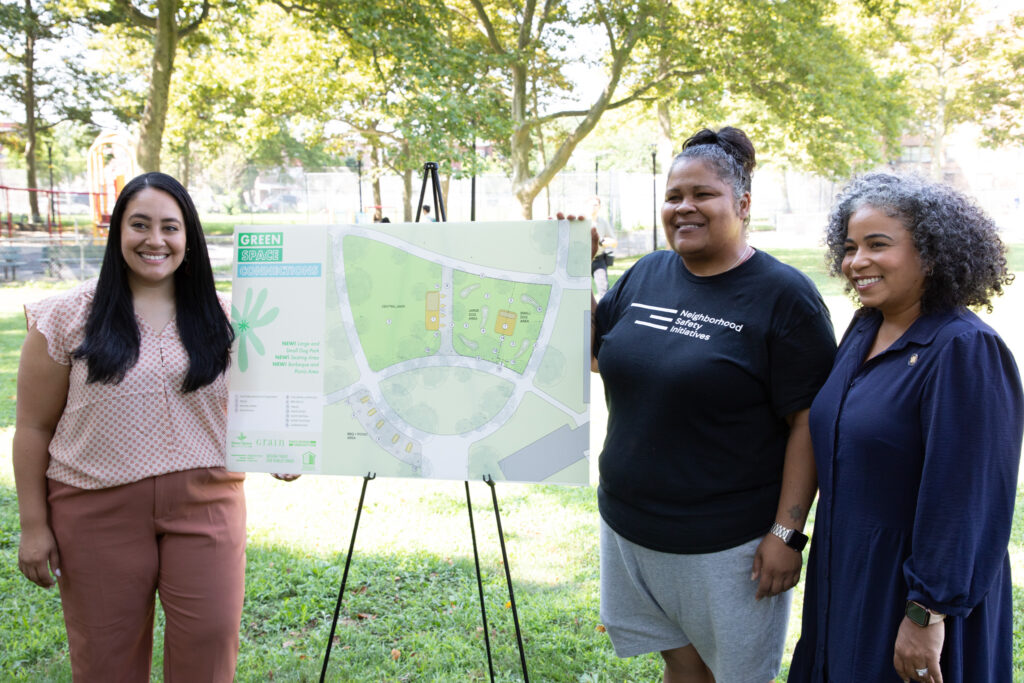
(681, 321)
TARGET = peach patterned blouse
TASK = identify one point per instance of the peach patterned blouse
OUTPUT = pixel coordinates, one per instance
(114, 434)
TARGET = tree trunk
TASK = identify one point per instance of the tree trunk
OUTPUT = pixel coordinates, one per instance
(522, 144)
(407, 197)
(154, 116)
(375, 173)
(446, 182)
(525, 185)
(29, 100)
(666, 148)
(377, 168)
(939, 141)
(786, 208)
(186, 166)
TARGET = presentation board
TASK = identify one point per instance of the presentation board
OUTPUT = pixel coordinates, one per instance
(436, 350)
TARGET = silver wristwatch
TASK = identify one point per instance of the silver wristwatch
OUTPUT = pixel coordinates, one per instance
(791, 537)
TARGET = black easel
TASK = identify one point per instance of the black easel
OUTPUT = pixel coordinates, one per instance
(430, 171)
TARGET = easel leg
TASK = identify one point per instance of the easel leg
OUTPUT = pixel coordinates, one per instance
(344, 576)
(438, 199)
(479, 584)
(508, 577)
(430, 175)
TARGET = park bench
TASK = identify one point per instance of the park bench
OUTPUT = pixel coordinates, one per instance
(10, 259)
(65, 260)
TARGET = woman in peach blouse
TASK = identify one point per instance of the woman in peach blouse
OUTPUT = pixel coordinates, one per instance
(119, 451)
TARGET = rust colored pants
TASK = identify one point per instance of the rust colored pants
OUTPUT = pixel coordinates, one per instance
(181, 535)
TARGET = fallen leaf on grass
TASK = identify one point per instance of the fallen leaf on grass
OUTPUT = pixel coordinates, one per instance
(508, 604)
(395, 654)
(288, 643)
(363, 615)
(601, 628)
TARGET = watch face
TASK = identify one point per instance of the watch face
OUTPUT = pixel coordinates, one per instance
(797, 541)
(917, 614)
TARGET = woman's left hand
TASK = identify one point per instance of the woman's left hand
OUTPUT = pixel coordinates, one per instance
(918, 647)
(285, 477)
(776, 565)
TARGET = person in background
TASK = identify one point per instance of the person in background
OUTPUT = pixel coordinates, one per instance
(605, 255)
(710, 354)
(917, 438)
(426, 212)
(119, 451)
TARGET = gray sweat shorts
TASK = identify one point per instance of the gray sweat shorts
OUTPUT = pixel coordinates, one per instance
(653, 601)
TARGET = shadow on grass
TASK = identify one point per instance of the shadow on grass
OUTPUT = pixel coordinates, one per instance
(408, 616)
(416, 616)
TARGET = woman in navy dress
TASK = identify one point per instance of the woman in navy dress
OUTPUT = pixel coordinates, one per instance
(917, 439)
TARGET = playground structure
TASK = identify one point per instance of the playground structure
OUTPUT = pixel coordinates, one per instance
(53, 219)
(111, 165)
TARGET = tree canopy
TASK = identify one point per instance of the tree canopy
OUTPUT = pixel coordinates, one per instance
(784, 67)
(47, 91)
(820, 85)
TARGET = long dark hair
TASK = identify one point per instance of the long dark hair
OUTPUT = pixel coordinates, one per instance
(111, 345)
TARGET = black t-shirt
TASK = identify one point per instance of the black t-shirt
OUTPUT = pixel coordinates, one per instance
(699, 376)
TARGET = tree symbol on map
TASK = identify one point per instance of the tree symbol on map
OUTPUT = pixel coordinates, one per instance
(246, 323)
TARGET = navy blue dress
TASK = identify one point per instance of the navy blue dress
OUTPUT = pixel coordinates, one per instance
(917, 452)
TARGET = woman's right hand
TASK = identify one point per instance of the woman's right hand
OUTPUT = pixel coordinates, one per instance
(38, 555)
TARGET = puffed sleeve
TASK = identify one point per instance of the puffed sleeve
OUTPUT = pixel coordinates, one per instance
(972, 416)
(60, 319)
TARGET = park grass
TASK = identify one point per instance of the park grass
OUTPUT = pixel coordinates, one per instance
(411, 610)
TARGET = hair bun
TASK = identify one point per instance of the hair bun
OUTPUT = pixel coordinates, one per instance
(704, 136)
(730, 140)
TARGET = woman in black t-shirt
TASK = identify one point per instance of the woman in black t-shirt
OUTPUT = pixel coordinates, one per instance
(710, 354)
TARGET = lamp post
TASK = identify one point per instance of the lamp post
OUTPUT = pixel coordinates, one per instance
(359, 172)
(472, 182)
(49, 161)
(654, 197)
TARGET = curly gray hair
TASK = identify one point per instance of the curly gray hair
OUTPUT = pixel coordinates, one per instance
(963, 257)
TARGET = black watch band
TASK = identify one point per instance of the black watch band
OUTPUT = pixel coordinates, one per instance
(921, 615)
(791, 537)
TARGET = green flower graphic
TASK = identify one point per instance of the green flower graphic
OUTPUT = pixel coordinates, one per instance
(246, 323)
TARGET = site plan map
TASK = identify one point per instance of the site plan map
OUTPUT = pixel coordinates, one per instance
(439, 350)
